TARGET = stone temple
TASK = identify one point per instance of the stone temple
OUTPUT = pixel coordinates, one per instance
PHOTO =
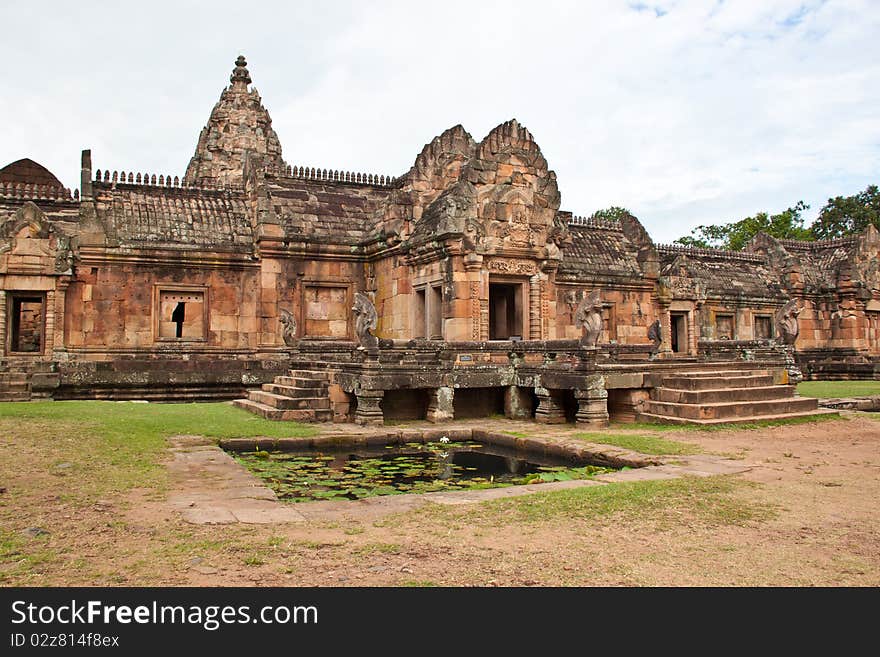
(458, 288)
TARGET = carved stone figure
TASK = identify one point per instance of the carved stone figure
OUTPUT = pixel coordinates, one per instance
(288, 327)
(655, 334)
(366, 320)
(588, 318)
(787, 322)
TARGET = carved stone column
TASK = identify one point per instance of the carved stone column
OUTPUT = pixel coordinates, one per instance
(440, 407)
(550, 409)
(479, 306)
(57, 338)
(369, 409)
(665, 330)
(592, 402)
(3, 323)
(535, 307)
(517, 403)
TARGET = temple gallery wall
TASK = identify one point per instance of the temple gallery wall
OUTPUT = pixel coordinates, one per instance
(458, 288)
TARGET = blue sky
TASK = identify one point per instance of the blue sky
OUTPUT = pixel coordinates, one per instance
(685, 112)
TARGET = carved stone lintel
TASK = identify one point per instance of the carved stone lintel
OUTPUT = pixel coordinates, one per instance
(550, 409)
(369, 408)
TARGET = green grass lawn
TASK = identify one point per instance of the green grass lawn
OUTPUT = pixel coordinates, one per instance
(119, 442)
(826, 389)
(639, 443)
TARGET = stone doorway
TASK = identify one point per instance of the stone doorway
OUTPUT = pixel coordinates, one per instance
(27, 324)
(678, 332)
(505, 311)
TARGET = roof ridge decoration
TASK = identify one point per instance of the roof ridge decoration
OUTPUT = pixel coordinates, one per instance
(668, 249)
(818, 244)
(32, 191)
(162, 180)
(592, 222)
(337, 175)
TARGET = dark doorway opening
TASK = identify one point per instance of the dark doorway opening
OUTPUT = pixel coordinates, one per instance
(405, 404)
(26, 325)
(477, 402)
(505, 311)
(678, 337)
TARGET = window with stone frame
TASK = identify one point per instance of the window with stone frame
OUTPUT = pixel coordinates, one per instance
(724, 327)
(27, 322)
(609, 322)
(763, 327)
(326, 311)
(181, 314)
(427, 317)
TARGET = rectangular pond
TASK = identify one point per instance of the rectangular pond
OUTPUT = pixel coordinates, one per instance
(359, 471)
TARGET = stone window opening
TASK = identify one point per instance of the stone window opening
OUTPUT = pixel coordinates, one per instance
(763, 327)
(505, 311)
(724, 327)
(27, 324)
(428, 312)
(181, 314)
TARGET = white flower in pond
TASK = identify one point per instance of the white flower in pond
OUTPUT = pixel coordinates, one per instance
(444, 439)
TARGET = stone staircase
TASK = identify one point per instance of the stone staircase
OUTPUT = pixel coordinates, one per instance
(301, 395)
(724, 396)
(23, 379)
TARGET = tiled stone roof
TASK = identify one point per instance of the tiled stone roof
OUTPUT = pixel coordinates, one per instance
(330, 211)
(721, 273)
(599, 249)
(143, 215)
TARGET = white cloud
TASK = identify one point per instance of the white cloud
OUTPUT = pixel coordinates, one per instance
(686, 112)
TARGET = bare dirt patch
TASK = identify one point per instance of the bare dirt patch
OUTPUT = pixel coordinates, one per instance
(805, 514)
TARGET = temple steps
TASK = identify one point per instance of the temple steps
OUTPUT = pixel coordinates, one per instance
(717, 381)
(722, 397)
(272, 413)
(300, 395)
(669, 419)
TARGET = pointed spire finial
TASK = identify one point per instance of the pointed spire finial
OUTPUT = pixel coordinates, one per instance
(240, 77)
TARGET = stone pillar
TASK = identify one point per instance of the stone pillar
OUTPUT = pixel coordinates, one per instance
(517, 403)
(592, 402)
(478, 297)
(49, 323)
(665, 330)
(440, 404)
(550, 410)
(369, 409)
(3, 322)
(59, 303)
(535, 307)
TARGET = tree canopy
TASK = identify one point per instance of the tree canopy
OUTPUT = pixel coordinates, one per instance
(788, 224)
(845, 215)
(612, 213)
(841, 216)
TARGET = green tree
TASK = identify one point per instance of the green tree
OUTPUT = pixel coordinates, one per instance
(613, 213)
(788, 224)
(845, 215)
